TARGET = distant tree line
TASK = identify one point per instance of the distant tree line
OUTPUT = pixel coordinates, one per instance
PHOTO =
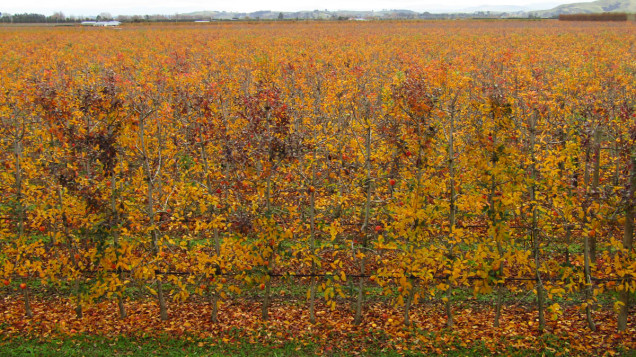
(57, 17)
(605, 16)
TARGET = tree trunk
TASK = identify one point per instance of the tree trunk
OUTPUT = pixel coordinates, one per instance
(595, 183)
(588, 285)
(409, 302)
(451, 217)
(163, 311)
(18, 186)
(268, 281)
(78, 299)
(155, 246)
(214, 316)
(20, 210)
(492, 213)
(217, 237)
(500, 287)
(537, 262)
(365, 228)
(27, 303)
(122, 307)
(215, 294)
(498, 305)
(266, 298)
(115, 232)
(72, 251)
(534, 230)
(312, 243)
(590, 193)
(628, 242)
(150, 211)
(617, 165)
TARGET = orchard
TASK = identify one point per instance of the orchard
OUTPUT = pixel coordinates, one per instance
(307, 173)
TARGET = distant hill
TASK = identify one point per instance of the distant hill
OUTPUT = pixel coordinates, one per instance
(495, 8)
(498, 11)
(302, 15)
(627, 6)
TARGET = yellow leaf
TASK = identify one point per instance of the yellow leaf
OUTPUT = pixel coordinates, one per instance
(618, 305)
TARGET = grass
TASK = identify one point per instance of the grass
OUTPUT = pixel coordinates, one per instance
(87, 345)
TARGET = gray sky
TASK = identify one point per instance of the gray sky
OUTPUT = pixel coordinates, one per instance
(133, 7)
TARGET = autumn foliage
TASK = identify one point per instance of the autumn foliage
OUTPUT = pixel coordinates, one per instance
(408, 161)
(606, 16)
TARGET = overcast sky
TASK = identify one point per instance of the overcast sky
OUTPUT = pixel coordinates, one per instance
(140, 7)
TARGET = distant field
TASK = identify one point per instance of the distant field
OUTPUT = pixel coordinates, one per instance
(408, 184)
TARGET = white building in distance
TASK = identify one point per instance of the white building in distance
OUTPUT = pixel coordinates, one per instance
(101, 23)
